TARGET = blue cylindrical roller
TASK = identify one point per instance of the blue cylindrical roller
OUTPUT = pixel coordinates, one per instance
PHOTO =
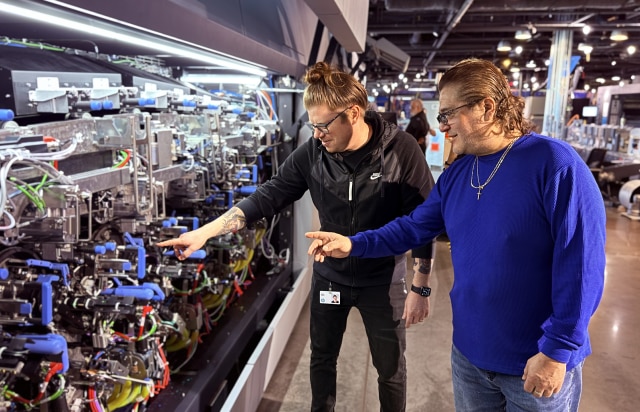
(6, 115)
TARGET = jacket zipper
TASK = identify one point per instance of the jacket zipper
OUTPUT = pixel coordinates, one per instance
(352, 229)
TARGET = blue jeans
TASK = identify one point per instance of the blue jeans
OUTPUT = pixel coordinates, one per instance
(479, 390)
(381, 308)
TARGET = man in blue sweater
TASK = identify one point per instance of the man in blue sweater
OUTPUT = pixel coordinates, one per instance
(527, 227)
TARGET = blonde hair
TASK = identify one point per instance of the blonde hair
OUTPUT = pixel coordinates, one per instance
(329, 85)
(476, 79)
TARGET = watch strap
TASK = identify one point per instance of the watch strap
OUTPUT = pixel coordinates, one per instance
(422, 291)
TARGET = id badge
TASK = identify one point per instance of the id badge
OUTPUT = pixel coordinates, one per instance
(329, 297)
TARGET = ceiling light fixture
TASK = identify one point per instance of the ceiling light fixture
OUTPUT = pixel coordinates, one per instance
(523, 35)
(631, 49)
(504, 46)
(619, 35)
(586, 29)
(129, 36)
(250, 81)
(585, 48)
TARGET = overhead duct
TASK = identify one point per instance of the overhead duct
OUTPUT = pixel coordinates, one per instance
(419, 5)
(390, 54)
(347, 21)
(501, 5)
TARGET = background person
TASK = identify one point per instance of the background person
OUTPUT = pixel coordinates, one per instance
(418, 125)
(361, 172)
(527, 227)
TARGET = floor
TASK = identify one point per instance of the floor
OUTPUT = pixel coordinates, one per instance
(611, 373)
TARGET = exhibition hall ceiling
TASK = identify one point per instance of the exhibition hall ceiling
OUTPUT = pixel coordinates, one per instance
(432, 34)
(438, 33)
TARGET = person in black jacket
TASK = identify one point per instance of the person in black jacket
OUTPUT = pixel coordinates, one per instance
(361, 172)
(418, 126)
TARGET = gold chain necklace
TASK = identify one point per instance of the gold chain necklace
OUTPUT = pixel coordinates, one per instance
(495, 169)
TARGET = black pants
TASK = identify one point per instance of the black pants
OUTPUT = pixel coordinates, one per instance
(381, 308)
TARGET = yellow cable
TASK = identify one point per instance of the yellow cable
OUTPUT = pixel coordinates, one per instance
(135, 392)
(121, 399)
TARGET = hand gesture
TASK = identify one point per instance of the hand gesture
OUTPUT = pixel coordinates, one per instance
(186, 244)
(328, 244)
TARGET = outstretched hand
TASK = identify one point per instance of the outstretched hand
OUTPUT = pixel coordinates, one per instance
(328, 244)
(186, 244)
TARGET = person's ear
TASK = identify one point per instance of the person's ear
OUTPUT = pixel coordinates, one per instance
(354, 113)
(489, 106)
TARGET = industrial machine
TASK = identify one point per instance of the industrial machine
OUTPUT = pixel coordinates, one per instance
(98, 164)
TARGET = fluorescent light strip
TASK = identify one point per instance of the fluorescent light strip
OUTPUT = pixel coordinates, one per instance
(247, 80)
(130, 39)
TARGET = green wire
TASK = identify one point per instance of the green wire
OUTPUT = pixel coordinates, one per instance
(44, 179)
(35, 197)
(124, 154)
(38, 45)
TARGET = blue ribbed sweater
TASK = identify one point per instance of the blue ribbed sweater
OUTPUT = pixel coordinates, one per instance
(528, 256)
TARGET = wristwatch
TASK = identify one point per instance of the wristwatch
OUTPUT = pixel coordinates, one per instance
(422, 291)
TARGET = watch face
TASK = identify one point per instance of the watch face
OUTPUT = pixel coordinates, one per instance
(422, 291)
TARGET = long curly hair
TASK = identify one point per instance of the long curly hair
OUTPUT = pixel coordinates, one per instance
(331, 86)
(476, 79)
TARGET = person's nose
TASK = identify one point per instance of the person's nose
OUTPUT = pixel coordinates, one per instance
(317, 133)
(443, 127)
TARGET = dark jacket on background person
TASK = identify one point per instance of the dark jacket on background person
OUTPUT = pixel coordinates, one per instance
(418, 127)
(388, 181)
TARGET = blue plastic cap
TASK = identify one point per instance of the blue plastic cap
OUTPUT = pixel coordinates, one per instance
(95, 105)
(251, 115)
(142, 101)
(150, 101)
(213, 107)
(111, 246)
(4, 273)
(236, 110)
(246, 190)
(100, 249)
(25, 309)
(107, 105)
(6, 115)
(198, 254)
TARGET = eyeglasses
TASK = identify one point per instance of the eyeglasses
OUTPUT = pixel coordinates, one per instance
(443, 117)
(324, 127)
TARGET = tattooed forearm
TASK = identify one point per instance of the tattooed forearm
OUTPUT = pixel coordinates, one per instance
(232, 221)
(424, 265)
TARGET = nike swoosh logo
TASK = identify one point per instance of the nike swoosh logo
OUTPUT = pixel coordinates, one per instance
(375, 176)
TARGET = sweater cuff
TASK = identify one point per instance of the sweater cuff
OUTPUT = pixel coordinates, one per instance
(250, 210)
(423, 252)
(555, 350)
(358, 245)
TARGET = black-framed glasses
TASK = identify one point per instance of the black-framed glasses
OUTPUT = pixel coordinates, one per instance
(443, 117)
(324, 127)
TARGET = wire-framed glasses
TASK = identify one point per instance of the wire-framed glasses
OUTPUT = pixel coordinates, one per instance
(443, 117)
(324, 127)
